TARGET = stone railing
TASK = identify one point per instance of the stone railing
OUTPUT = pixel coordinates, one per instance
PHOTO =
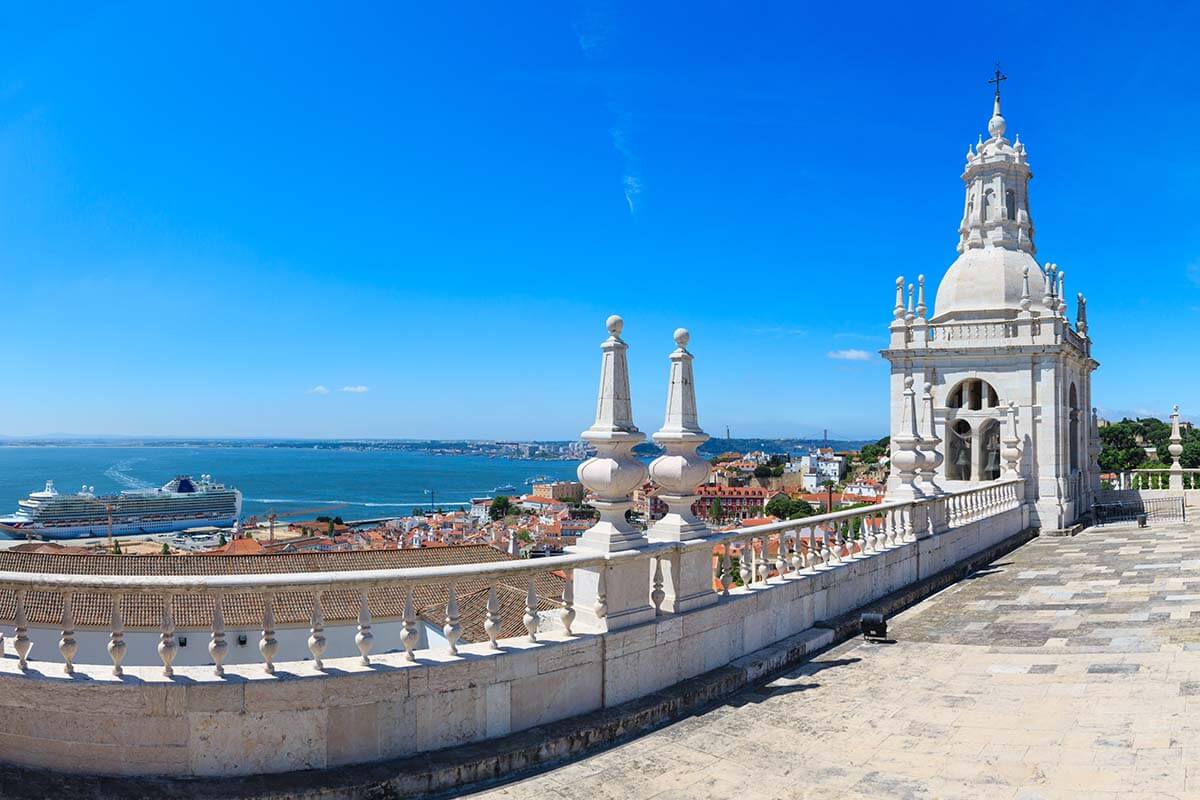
(1157, 479)
(763, 584)
(639, 611)
(973, 331)
(804, 544)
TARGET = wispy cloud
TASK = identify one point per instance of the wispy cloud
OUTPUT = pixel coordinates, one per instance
(318, 389)
(593, 33)
(1193, 272)
(356, 389)
(849, 355)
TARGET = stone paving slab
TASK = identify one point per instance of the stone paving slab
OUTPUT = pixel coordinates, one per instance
(1069, 668)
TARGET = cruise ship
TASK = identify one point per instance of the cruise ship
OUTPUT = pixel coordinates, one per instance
(181, 503)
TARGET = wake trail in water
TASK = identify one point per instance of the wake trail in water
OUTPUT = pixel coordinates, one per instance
(396, 504)
(117, 472)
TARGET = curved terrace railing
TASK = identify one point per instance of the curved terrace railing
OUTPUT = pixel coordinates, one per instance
(744, 557)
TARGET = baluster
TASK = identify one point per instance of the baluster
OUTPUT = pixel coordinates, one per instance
(568, 616)
(267, 645)
(452, 629)
(217, 646)
(166, 640)
(726, 570)
(409, 637)
(316, 635)
(531, 610)
(364, 639)
(657, 594)
(763, 561)
(600, 607)
(67, 644)
(909, 536)
(813, 556)
(491, 625)
(781, 559)
(21, 641)
(745, 565)
(797, 559)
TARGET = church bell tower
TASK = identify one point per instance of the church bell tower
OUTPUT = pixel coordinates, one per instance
(997, 369)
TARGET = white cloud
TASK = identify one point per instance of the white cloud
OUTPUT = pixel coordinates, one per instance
(318, 389)
(633, 187)
(850, 355)
(356, 389)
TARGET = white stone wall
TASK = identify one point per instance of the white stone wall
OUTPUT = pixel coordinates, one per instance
(249, 722)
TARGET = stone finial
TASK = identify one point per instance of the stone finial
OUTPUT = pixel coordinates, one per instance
(1048, 297)
(898, 311)
(932, 457)
(907, 458)
(1026, 300)
(996, 124)
(1081, 323)
(1175, 479)
(909, 314)
(1011, 452)
(613, 473)
(921, 307)
(681, 469)
(1062, 294)
(1176, 446)
(614, 411)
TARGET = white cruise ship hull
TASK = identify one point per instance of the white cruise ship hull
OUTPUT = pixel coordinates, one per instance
(17, 529)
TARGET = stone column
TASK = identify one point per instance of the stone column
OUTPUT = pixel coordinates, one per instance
(977, 454)
(612, 597)
(1176, 450)
(1094, 449)
(1011, 451)
(688, 573)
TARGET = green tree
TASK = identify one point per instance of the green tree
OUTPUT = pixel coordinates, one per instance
(221, 540)
(801, 509)
(166, 549)
(716, 512)
(780, 506)
(1120, 450)
(332, 528)
(777, 471)
(500, 508)
(762, 471)
(116, 548)
(871, 453)
(417, 511)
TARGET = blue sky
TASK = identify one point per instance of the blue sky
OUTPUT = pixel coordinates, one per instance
(207, 211)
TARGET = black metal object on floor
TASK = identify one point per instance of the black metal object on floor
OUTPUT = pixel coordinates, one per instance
(874, 627)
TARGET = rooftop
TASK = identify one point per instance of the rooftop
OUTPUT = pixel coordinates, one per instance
(1068, 668)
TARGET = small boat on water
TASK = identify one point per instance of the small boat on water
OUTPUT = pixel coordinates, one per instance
(507, 488)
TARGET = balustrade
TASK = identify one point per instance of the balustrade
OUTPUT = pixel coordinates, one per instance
(741, 560)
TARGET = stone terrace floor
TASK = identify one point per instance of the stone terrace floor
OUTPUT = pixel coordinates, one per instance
(1069, 668)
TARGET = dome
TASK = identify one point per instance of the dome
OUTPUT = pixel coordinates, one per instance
(987, 283)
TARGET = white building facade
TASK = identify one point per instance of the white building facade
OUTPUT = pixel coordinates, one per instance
(999, 336)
